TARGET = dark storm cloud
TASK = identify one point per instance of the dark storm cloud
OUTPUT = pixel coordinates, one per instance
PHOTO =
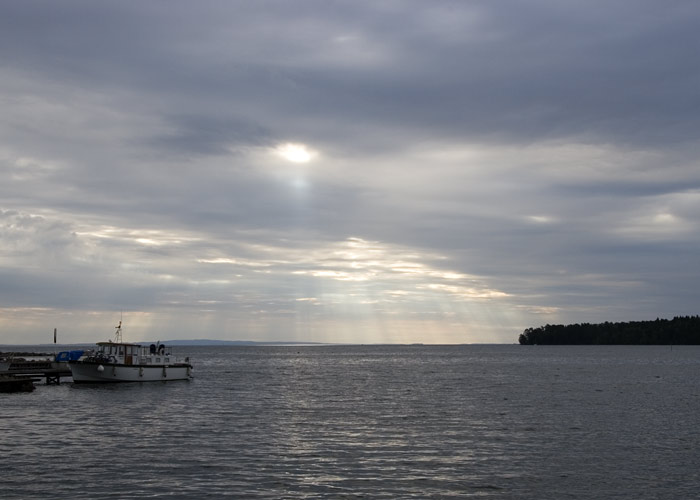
(516, 70)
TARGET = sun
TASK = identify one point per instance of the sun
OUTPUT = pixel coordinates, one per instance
(295, 152)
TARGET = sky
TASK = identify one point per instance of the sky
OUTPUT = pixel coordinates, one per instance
(346, 171)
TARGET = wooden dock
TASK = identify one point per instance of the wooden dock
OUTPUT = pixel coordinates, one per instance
(52, 371)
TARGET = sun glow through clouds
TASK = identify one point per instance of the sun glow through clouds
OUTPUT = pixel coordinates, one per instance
(296, 153)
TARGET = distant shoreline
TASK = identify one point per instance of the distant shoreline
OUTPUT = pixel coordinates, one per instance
(681, 330)
(243, 343)
(188, 342)
(214, 342)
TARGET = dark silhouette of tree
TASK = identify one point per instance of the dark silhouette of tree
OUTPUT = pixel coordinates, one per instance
(681, 330)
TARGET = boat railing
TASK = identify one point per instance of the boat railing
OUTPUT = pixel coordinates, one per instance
(156, 360)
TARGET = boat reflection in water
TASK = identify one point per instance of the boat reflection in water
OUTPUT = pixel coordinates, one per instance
(117, 361)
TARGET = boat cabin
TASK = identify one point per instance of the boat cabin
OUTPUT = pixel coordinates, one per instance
(134, 354)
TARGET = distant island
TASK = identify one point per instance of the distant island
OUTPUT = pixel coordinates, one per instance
(681, 330)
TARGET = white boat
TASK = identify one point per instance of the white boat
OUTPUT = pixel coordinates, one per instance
(125, 362)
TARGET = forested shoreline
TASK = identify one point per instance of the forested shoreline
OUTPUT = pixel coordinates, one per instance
(681, 330)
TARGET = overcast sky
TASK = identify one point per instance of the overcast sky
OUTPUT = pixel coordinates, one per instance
(346, 171)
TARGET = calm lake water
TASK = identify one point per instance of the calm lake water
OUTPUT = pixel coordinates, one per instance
(500, 421)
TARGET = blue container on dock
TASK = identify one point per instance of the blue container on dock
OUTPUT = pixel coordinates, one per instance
(69, 355)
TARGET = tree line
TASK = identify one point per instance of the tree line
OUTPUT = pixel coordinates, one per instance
(681, 330)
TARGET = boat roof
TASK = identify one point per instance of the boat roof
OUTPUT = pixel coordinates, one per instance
(118, 343)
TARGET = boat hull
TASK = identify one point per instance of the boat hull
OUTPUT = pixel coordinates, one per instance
(90, 372)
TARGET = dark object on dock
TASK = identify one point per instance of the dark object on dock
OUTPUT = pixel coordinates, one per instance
(14, 383)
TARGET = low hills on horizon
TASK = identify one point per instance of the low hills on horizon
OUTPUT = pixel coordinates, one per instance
(681, 330)
(215, 342)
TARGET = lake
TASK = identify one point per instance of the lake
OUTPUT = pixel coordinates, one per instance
(483, 421)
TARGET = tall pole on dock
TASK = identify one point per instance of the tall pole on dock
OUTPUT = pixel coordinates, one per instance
(54, 335)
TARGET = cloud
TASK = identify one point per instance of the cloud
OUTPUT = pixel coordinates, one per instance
(473, 168)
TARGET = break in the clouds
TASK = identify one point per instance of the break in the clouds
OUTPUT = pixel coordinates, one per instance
(346, 171)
